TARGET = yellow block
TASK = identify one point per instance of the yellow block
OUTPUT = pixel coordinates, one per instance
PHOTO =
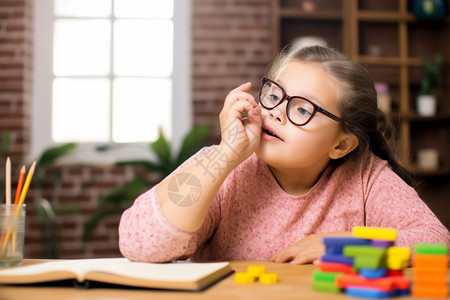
(268, 278)
(399, 252)
(256, 270)
(375, 233)
(397, 263)
(244, 278)
(398, 257)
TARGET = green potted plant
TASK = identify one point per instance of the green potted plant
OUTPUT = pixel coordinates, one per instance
(432, 77)
(114, 202)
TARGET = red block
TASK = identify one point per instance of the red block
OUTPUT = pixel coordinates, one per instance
(385, 284)
(335, 267)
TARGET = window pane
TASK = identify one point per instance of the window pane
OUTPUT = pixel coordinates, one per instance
(143, 48)
(82, 47)
(140, 106)
(81, 110)
(82, 8)
(143, 9)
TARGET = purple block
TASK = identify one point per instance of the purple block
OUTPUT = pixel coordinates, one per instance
(344, 241)
(336, 258)
(381, 243)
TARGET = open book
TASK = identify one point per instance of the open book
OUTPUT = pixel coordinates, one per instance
(121, 271)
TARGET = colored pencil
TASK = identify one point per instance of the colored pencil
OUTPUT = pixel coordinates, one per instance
(8, 181)
(20, 184)
(26, 185)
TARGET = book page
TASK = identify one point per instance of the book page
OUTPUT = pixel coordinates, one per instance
(174, 271)
(121, 271)
(77, 267)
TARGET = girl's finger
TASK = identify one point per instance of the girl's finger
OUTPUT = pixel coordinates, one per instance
(242, 88)
(239, 97)
(242, 105)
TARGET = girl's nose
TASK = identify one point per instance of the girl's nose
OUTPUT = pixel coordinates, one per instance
(279, 113)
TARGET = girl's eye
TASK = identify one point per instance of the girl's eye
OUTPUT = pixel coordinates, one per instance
(274, 98)
(304, 112)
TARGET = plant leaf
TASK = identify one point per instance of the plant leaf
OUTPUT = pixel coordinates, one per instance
(162, 149)
(51, 154)
(5, 142)
(149, 165)
(192, 142)
(93, 222)
(125, 193)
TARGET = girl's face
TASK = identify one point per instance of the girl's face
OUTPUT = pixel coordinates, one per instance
(285, 145)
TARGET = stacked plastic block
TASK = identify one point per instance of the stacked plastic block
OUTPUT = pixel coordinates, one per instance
(430, 271)
(256, 273)
(366, 265)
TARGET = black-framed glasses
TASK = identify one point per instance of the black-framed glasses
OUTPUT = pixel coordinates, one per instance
(299, 110)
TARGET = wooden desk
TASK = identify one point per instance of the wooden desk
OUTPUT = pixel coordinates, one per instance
(294, 283)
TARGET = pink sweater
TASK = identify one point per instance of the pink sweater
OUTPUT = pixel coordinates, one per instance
(252, 218)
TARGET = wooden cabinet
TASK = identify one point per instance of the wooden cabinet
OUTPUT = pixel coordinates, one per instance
(386, 37)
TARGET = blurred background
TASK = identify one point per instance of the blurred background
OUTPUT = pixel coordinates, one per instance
(109, 96)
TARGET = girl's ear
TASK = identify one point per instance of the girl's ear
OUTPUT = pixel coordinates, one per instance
(345, 145)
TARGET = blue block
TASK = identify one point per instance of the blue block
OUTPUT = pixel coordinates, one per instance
(335, 250)
(373, 273)
(336, 258)
(344, 241)
(368, 292)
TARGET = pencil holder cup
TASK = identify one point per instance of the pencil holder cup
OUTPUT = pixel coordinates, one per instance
(12, 234)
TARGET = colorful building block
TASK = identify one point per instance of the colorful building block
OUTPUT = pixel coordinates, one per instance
(356, 251)
(373, 273)
(325, 276)
(268, 278)
(324, 286)
(344, 241)
(384, 284)
(426, 292)
(369, 262)
(430, 260)
(438, 249)
(339, 259)
(381, 243)
(335, 267)
(256, 270)
(375, 233)
(244, 278)
(430, 271)
(369, 292)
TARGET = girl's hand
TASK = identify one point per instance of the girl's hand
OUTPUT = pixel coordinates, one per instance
(308, 249)
(240, 135)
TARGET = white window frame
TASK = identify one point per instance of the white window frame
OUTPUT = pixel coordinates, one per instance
(41, 121)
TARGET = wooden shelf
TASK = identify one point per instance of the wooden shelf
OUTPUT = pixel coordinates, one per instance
(414, 118)
(318, 15)
(429, 173)
(388, 61)
(356, 28)
(384, 16)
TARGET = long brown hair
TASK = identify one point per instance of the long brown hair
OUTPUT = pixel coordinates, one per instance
(357, 103)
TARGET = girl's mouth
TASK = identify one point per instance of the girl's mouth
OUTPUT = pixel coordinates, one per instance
(268, 132)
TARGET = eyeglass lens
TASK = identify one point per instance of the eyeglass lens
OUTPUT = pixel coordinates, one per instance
(298, 110)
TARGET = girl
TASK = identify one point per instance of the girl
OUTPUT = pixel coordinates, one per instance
(310, 160)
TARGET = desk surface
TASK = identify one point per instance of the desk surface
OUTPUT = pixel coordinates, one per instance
(294, 283)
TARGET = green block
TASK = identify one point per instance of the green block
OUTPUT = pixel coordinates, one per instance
(438, 249)
(324, 286)
(369, 262)
(325, 276)
(354, 251)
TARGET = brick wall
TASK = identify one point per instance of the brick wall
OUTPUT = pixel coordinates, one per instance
(231, 45)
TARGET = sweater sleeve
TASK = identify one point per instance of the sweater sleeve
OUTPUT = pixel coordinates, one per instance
(393, 203)
(146, 235)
